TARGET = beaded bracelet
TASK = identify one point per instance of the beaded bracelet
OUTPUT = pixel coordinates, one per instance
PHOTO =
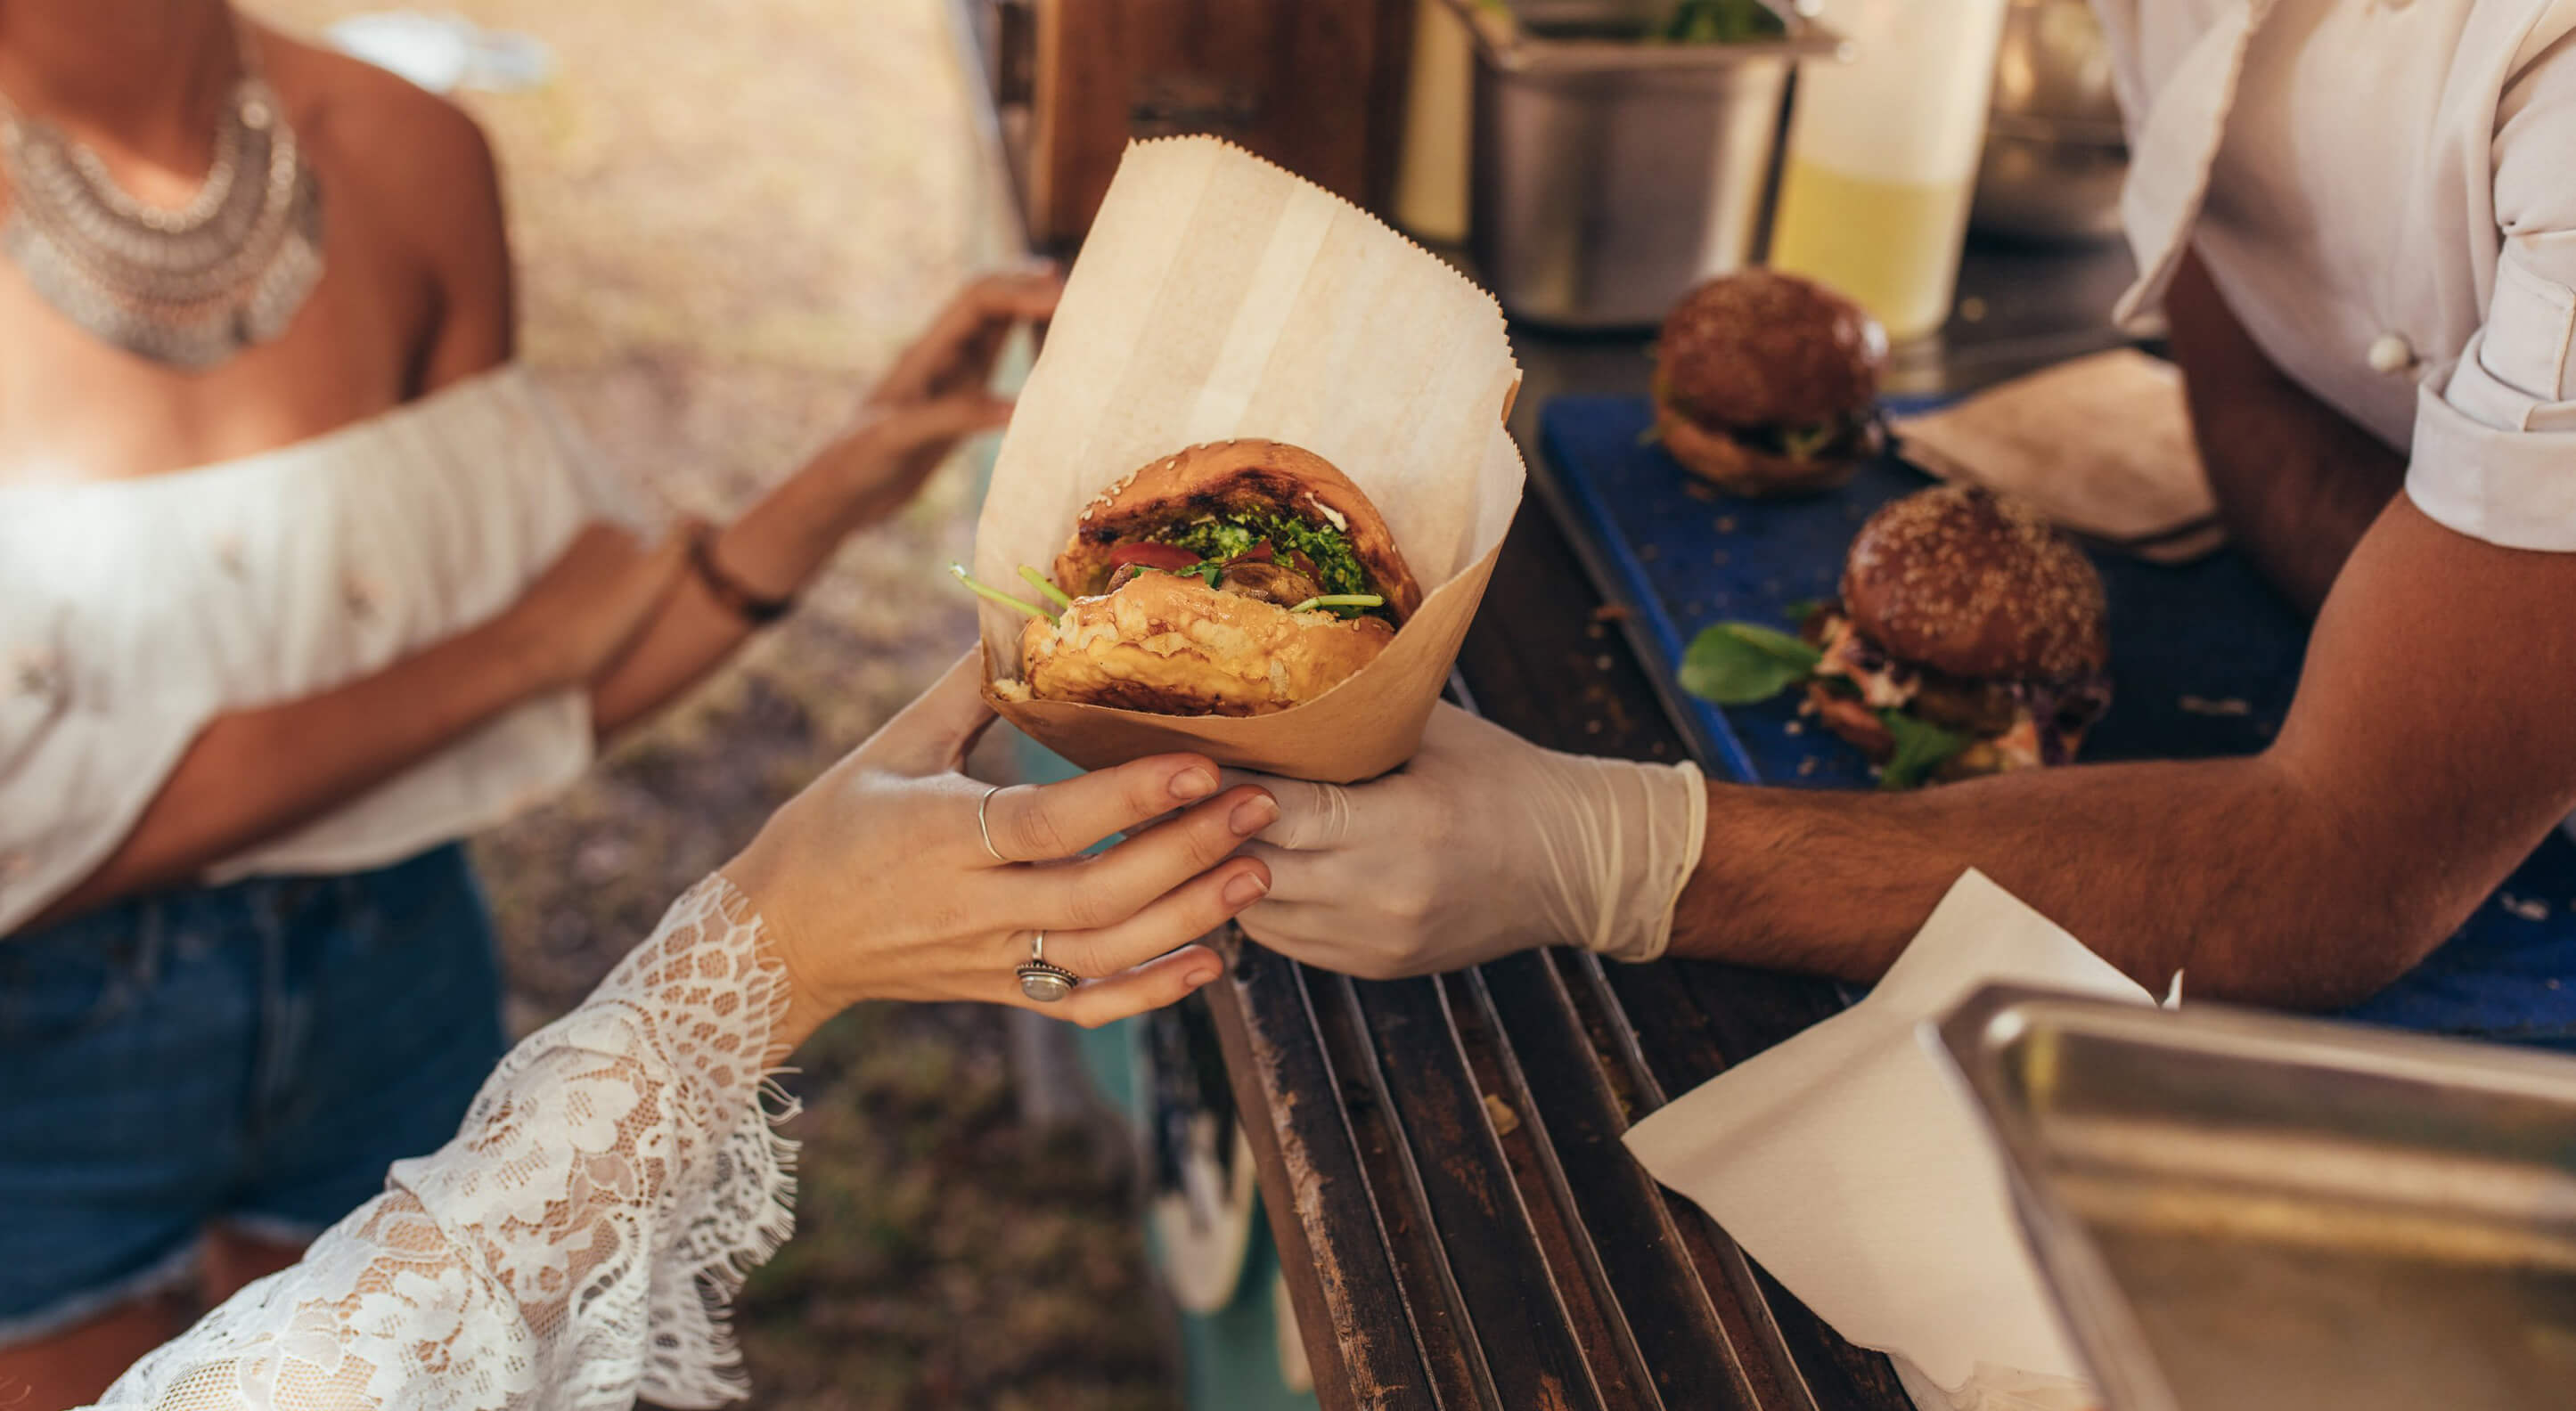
(727, 590)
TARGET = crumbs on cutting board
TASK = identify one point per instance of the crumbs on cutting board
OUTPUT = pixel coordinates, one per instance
(2528, 908)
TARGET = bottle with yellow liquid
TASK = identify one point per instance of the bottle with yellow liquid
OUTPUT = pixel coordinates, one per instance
(1883, 154)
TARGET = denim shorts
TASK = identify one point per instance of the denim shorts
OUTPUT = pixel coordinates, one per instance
(251, 1055)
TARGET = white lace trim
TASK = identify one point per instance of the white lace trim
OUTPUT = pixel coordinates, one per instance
(577, 1245)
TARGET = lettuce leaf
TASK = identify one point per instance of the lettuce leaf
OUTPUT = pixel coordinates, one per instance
(1921, 747)
(1738, 663)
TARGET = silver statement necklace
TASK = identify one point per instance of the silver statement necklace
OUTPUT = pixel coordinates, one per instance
(188, 287)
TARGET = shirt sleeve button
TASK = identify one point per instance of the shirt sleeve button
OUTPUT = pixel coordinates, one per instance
(2391, 353)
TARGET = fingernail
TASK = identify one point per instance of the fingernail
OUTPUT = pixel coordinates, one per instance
(1245, 889)
(1253, 814)
(1193, 783)
(1197, 978)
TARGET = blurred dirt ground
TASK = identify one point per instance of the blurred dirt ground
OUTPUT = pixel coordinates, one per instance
(727, 218)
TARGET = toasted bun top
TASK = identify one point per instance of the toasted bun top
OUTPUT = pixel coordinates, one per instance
(1974, 584)
(1759, 348)
(1234, 477)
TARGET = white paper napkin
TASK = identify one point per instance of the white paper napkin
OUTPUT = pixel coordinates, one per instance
(1845, 1161)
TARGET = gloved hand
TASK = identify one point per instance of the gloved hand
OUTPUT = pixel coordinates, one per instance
(1482, 845)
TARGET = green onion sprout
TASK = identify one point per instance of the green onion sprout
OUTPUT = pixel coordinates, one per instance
(1341, 600)
(996, 594)
(1039, 581)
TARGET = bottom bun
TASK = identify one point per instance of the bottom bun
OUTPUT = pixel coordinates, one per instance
(1172, 645)
(1739, 469)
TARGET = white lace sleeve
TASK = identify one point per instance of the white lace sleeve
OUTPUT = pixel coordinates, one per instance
(579, 1241)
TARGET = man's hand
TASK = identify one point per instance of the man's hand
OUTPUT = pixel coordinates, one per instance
(1482, 845)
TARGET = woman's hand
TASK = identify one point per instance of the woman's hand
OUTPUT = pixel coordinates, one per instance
(938, 394)
(590, 604)
(874, 883)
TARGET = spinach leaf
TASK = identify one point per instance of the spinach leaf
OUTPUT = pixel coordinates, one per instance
(1737, 663)
(1921, 747)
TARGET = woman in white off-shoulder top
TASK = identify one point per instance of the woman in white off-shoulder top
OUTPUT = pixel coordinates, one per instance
(576, 1244)
(300, 582)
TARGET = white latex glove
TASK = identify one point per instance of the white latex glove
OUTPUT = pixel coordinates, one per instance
(1482, 845)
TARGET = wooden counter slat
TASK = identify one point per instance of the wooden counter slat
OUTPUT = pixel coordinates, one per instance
(1437, 1312)
(1333, 1255)
(1592, 1302)
(1695, 1356)
(1506, 1286)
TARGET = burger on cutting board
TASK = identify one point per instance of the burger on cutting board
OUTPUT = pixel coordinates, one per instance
(1968, 639)
(1767, 384)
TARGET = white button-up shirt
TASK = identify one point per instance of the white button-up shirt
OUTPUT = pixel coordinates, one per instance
(2385, 192)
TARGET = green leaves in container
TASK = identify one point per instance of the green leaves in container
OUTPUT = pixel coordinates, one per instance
(1738, 663)
(1921, 747)
(1719, 22)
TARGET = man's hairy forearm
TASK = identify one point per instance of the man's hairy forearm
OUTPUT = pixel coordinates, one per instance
(2207, 867)
(2297, 483)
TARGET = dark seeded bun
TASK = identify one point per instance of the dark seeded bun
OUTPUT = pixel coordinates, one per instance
(1975, 585)
(1759, 348)
(1234, 477)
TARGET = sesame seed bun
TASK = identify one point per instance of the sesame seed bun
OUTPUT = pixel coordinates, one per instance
(1235, 477)
(1173, 645)
(1761, 348)
(1977, 586)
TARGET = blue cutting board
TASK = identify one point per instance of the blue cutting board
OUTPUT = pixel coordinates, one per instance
(2204, 659)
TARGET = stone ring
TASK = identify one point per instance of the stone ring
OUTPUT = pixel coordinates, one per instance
(1041, 979)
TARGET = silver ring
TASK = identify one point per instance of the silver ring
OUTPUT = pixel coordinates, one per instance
(1041, 979)
(985, 828)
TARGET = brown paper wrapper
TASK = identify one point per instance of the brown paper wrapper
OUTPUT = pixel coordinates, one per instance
(2102, 445)
(1219, 297)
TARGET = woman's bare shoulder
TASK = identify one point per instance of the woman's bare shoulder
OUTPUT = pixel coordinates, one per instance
(424, 172)
(415, 151)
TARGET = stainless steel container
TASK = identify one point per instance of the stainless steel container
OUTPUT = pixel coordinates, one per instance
(2241, 1211)
(1610, 175)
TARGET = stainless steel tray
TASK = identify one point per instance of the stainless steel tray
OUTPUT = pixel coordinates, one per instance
(2239, 1210)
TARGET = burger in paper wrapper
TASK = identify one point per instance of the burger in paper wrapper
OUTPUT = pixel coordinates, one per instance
(1287, 594)
(1236, 578)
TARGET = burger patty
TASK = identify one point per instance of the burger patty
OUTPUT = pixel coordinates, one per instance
(1822, 440)
(1984, 709)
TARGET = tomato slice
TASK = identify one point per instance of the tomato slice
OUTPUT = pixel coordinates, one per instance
(1151, 555)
